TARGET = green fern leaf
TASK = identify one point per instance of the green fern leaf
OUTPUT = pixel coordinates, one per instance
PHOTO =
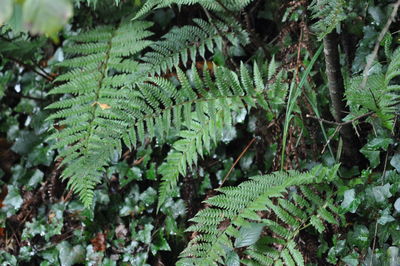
(92, 115)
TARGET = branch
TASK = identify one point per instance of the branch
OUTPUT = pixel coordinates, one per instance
(342, 123)
(374, 54)
(17, 95)
(31, 68)
(237, 160)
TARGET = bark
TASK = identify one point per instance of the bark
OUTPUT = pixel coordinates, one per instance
(351, 144)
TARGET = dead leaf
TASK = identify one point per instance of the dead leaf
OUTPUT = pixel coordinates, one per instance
(104, 106)
(99, 242)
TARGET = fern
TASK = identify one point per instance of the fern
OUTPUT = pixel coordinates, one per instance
(112, 97)
(329, 14)
(212, 114)
(380, 94)
(267, 201)
(214, 5)
(94, 117)
(188, 42)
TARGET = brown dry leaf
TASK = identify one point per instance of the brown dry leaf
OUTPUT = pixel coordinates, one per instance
(138, 161)
(99, 242)
(3, 194)
(200, 65)
(104, 106)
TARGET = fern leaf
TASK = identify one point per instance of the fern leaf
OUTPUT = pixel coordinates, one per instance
(93, 120)
(329, 14)
(181, 45)
(233, 5)
(235, 204)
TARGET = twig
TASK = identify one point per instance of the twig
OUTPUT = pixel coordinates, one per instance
(16, 95)
(237, 160)
(342, 123)
(330, 138)
(32, 68)
(372, 57)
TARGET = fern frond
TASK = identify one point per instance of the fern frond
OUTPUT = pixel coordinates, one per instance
(213, 101)
(329, 14)
(185, 152)
(233, 5)
(380, 95)
(182, 45)
(92, 114)
(239, 206)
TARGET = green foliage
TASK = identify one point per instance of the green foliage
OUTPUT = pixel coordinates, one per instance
(145, 120)
(329, 14)
(93, 116)
(184, 44)
(241, 207)
(380, 94)
(213, 112)
(223, 5)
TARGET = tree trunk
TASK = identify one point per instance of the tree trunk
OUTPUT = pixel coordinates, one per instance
(351, 144)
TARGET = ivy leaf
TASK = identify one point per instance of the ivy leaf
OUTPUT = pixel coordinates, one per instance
(12, 201)
(372, 154)
(35, 179)
(248, 235)
(380, 193)
(71, 255)
(144, 235)
(359, 237)
(350, 202)
(232, 258)
(46, 16)
(397, 205)
(159, 243)
(25, 143)
(395, 162)
(386, 217)
(351, 259)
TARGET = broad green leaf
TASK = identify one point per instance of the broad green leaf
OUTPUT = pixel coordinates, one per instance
(13, 200)
(395, 162)
(46, 16)
(350, 202)
(397, 205)
(71, 255)
(359, 237)
(385, 217)
(381, 193)
(351, 259)
(232, 259)
(35, 179)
